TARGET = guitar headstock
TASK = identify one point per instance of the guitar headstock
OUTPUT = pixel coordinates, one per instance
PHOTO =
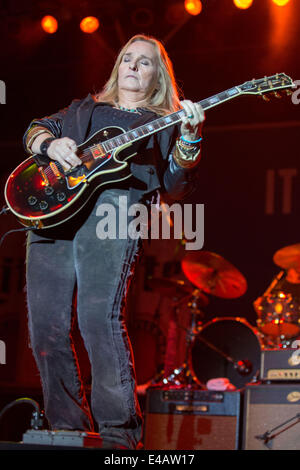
(271, 84)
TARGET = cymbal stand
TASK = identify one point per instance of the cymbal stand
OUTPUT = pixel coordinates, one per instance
(183, 376)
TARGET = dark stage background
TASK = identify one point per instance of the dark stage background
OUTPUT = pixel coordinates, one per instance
(247, 142)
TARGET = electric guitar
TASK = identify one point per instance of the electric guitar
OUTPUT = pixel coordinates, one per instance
(45, 195)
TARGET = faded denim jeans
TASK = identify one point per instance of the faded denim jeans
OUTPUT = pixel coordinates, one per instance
(57, 260)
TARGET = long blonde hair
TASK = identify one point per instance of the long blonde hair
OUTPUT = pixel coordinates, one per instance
(165, 96)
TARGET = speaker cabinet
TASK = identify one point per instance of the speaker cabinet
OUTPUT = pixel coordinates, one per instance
(272, 417)
(178, 419)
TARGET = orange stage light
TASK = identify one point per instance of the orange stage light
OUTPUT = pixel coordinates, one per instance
(49, 24)
(243, 4)
(193, 7)
(89, 24)
(281, 3)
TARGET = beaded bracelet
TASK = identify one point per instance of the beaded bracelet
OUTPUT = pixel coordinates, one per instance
(190, 142)
(187, 147)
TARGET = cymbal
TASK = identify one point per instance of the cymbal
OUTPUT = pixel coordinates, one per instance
(169, 287)
(214, 275)
(288, 257)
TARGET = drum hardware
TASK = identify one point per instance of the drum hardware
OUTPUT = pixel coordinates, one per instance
(226, 347)
(288, 257)
(170, 287)
(214, 275)
(182, 376)
(278, 309)
(181, 294)
(243, 367)
(211, 274)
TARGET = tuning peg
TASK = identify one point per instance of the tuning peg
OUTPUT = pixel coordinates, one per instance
(276, 94)
(265, 98)
(288, 92)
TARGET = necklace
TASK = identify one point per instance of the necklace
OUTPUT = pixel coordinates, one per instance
(129, 110)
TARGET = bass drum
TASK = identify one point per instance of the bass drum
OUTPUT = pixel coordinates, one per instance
(220, 340)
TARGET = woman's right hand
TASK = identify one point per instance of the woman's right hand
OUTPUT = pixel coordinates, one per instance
(63, 151)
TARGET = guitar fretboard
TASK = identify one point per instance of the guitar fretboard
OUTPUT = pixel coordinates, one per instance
(165, 121)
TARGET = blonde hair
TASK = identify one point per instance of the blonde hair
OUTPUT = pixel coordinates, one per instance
(163, 98)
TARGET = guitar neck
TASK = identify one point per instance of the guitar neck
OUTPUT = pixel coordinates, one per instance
(165, 121)
(280, 81)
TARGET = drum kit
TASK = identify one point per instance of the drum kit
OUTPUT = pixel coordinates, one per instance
(229, 347)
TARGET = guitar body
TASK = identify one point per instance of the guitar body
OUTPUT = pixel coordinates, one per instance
(43, 195)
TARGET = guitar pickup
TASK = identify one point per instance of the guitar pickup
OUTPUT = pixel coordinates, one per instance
(55, 170)
(43, 175)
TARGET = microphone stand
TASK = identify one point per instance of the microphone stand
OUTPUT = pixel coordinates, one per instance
(268, 436)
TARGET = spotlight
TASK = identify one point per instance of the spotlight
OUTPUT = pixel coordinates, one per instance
(243, 4)
(281, 3)
(49, 24)
(89, 24)
(193, 7)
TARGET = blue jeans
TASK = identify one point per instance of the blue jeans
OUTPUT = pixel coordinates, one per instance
(101, 269)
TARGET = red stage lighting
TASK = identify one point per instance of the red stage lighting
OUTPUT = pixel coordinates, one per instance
(193, 7)
(281, 3)
(243, 4)
(49, 24)
(89, 24)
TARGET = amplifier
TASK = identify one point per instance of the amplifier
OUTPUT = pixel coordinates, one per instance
(280, 364)
(271, 417)
(185, 419)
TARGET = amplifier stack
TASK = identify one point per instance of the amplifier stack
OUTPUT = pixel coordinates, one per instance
(264, 415)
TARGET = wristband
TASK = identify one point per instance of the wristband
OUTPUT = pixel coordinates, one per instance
(191, 142)
(45, 145)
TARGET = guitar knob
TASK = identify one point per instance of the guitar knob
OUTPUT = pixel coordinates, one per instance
(61, 196)
(32, 200)
(43, 205)
(49, 190)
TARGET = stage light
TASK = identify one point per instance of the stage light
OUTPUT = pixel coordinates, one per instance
(89, 24)
(281, 3)
(193, 7)
(49, 24)
(243, 4)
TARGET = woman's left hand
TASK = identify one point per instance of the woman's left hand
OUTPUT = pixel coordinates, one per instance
(192, 123)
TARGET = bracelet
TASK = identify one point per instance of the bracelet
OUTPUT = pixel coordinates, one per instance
(190, 142)
(186, 159)
(187, 148)
(45, 145)
(33, 133)
(32, 138)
